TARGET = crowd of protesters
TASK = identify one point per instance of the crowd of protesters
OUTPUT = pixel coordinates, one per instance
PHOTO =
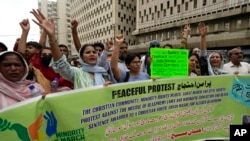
(34, 63)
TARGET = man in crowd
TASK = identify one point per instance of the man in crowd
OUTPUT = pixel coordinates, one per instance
(236, 66)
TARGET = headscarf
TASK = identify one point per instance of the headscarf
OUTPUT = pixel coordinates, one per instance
(213, 70)
(98, 71)
(12, 92)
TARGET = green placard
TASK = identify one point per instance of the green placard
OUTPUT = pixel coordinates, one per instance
(168, 62)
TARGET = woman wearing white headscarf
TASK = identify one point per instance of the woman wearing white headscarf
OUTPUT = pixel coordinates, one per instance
(13, 84)
(215, 64)
(89, 74)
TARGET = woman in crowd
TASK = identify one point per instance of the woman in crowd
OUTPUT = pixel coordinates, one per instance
(13, 84)
(39, 59)
(132, 61)
(193, 61)
(89, 74)
(214, 63)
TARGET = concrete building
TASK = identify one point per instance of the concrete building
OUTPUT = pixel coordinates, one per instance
(60, 11)
(100, 20)
(228, 22)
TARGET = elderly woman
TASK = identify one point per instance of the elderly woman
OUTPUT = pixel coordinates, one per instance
(13, 84)
(89, 74)
(214, 63)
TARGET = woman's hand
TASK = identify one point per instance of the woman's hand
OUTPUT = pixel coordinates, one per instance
(107, 83)
(47, 25)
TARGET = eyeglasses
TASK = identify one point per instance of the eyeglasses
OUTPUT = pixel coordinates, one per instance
(136, 62)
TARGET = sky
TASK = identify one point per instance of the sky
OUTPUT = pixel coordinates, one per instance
(12, 12)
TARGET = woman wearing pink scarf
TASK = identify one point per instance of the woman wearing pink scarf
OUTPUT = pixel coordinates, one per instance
(13, 84)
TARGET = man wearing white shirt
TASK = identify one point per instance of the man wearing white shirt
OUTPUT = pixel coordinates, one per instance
(236, 66)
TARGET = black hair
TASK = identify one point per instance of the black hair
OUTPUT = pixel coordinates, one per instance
(168, 45)
(2, 45)
(126, 43)
(34, 44)
(130, 57)
(62, 45)
(84, 47)
(48, 48)
(230, 52)
(194, 54)
(192, 49)
(98, 44)
(2, 57)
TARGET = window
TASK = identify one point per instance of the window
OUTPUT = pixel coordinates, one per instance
(186, 6)
(216, 27)
(153, 16)
(183, 1)
(227, 26)
(175, 2)
(142, 2)
(214, 1)
(195, 3)
(161, 6)
(238, 24)
(178, 9)
(155, 8)
(171, 10)
(204, 2)
(149, 10)
(158, 14)
(165, 13)
(168, 4)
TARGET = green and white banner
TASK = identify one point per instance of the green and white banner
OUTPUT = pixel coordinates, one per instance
(166, 109)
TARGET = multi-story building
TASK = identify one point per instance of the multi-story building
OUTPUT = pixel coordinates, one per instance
(228, 22)
(101, 20)
(60, 11)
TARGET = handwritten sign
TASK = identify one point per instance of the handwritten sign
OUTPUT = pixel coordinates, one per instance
(168, 62)
(167, 109)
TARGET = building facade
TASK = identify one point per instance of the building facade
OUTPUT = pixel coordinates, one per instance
(228, 22)
(60, 11)
(101, 20)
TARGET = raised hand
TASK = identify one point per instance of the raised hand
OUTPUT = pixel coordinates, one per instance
(47, 25)
(119, 38)
(51, 123)
(202, 29)
(109, 45)
(34, 128)
(186, 31)
(25, 25)
(74, 24)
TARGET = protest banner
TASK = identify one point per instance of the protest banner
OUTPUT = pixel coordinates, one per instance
(168, 63)
(193, 108)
